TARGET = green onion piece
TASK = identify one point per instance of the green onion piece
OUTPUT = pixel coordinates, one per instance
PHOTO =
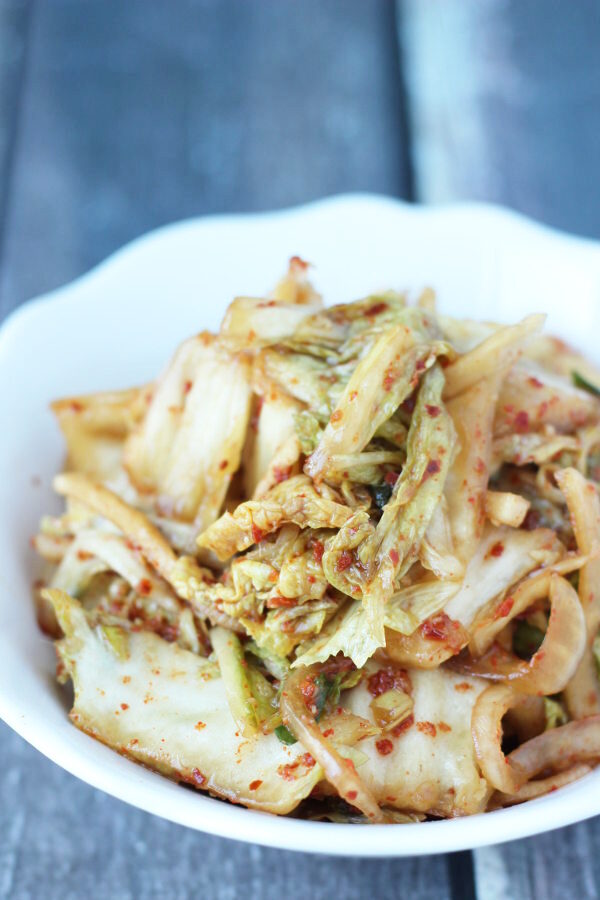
(380, 493)
(527, 640)
(596, 652)
(555, 713)
(351, 679)
(581, 382)
(285, 735)
(234, 672)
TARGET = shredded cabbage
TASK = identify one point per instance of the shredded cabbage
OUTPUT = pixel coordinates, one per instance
(292, 564)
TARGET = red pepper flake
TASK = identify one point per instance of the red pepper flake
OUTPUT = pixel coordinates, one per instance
(308, 760)
(308, 688)
(198, 777)
(76, 406)
(187, 387)
(83, 555)
(387, 679)
(376, 309)
(124, 706)
(258, 405)
(384, 747)
(522, 422)
(535, 382)
(254, 785)
(288, 771)
(328, 733)
(389, 378)
(390, 477)
(479, 466)
(144, 587)
(394, 557)
(542, 409)
(433, 467)
(336, 415)
(199, 726)
(281, 473)
(223, 464)
(345, 560)
(311, 579)
(496, 549)
(433, 411)
(297, 263)
(409, 405)
(427, 728)
(443, 726)
(351, 795)
(531, 520)
(463, 686)
(257, 534)
(504, 608)
(438, 628)
(279, 602)
(403, 726)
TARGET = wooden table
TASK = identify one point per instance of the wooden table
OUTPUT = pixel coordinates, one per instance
(120, 115)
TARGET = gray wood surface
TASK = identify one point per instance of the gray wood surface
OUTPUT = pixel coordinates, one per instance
(118, 117)
(504, 104)
(135, 114)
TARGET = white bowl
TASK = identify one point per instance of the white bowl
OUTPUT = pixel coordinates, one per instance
(117, 326)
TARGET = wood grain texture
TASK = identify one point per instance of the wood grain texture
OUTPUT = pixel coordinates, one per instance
(553, 866)
(63, 840)
(136, 114)
(504, 104)
(14, 21)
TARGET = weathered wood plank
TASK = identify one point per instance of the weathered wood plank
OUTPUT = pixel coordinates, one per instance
(63, 840)
(504, 104)
(14, 19)
(138, 113)
(554, 866)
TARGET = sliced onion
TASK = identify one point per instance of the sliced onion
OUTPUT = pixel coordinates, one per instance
(531, 589)
(534, 789)
(526, 719)
(582, 694)
(436, 640)
(486, 726)
(559, 748)
(551, 668)
(338, 771)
